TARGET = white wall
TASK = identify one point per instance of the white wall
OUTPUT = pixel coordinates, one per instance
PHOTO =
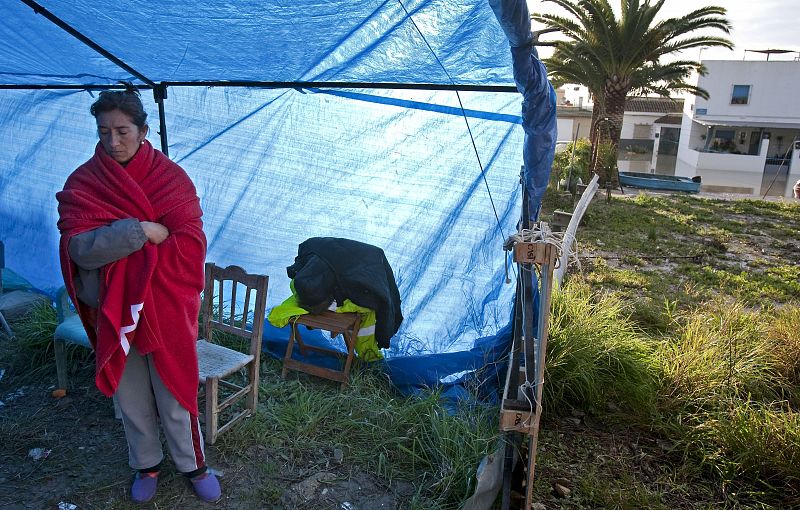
(565, 128)
(631, 119)
(689, 142)
(686, 166)
(734, 173)
(774, 95)
(568, 125)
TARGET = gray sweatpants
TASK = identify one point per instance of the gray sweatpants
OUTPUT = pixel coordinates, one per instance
(143, 400)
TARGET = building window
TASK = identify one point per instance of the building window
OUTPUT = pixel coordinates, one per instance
(723, 141)
(741, 94)
(632, 149)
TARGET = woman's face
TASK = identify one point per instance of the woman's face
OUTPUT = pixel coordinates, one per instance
(119, 136)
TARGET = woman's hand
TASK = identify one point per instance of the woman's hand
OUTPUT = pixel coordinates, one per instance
(156, 232)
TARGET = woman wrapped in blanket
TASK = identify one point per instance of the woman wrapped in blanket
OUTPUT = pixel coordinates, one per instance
(132, 251)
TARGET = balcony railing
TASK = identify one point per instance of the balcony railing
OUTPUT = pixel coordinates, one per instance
(779, 161)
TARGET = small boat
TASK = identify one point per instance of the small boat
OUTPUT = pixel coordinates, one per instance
(660, 182)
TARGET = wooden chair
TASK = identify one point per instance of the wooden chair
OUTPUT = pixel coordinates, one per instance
(222, 369)
(346, 324)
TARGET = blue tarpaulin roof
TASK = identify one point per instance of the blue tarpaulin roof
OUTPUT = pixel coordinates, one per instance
(398, 41)
(275, 165)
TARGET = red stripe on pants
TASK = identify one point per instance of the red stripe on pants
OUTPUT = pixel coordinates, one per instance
(197, 442)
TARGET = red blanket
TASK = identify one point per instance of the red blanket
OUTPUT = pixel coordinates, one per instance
(150, 298)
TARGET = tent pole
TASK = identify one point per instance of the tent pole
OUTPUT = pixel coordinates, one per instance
(279, 85)
(160, 93)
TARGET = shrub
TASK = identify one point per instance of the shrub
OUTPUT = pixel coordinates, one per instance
(579, 162)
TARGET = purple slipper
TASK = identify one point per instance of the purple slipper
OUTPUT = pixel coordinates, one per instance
(144, 487)
(206, 486)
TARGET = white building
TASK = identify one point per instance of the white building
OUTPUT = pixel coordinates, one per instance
(649, 134)
(573, 122)
(648, 140)
(746, 137)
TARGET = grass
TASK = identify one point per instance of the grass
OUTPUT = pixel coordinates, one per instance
(416, 440)
(719, 333)
(595, 354)
(675, 344)
(726, 351)
(33, 337)
(420, 440)
(34, 332)
(730, 394)
(722, 385)
(697, 247)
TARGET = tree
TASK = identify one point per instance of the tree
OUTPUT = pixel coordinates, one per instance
(617, 57)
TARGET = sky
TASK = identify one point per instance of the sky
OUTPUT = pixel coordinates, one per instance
(757, 25)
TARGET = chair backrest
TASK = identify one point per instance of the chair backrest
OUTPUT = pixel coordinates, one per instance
(224, 309)
(64, 307)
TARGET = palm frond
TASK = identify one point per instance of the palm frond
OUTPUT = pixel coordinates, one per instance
(601, 49)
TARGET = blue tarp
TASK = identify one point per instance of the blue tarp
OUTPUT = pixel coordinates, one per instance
(274, 166)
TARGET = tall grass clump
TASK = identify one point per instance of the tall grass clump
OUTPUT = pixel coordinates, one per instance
(595, 355)
(34, 331)
(724, 351)
(782, 332)
(729, 391)
(756, 442)
(416, 439)
(33, 341)
(32, 358)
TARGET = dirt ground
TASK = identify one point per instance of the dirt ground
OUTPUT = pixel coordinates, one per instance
(71, 453)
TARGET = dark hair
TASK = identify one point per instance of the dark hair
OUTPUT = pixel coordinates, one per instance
(127, 101)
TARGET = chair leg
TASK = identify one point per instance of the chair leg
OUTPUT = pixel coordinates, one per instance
(289, 348)
(6, 327)
(252, 397)
(212, 416)
(61, 364)
(349, 342)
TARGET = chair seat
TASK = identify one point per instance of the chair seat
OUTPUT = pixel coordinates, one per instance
(328, 320)
(346, 324)
(71, 331)
(216, 361)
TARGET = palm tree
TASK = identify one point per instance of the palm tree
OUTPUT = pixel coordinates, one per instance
(616, 57)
